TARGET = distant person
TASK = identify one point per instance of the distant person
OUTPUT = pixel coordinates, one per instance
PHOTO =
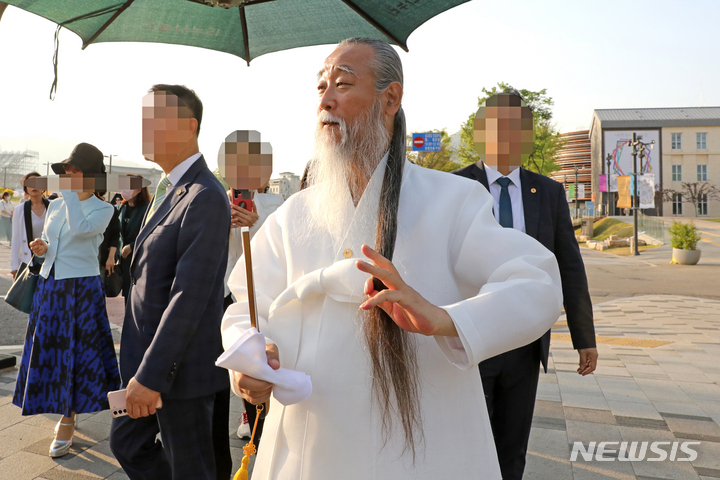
(68, 362)
(28, 223)
(132, 211)
(536, 205)
(53, 196)
(116, 199)
(109, 246)
(6, 214)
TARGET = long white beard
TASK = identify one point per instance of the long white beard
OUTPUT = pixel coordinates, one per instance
(341, 171)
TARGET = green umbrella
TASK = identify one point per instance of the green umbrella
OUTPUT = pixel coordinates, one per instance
(253, 28)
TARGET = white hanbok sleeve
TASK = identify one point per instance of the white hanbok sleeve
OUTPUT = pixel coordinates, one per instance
(269, 275)
(515, 294)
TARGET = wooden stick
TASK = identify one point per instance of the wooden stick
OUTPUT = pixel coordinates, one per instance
(249, 272)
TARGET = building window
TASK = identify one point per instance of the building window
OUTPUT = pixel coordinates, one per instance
(702, 173)
(677, 173)
(701, 141)
(677, 204)
(677, 141)
(702, 204)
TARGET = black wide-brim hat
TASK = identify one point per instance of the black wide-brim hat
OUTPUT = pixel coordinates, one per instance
(85, 157)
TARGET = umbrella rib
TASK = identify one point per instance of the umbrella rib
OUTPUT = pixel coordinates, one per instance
(246, 41)
(107, 24)
(375, 23)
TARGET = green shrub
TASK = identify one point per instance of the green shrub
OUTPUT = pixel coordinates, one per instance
(684, 236)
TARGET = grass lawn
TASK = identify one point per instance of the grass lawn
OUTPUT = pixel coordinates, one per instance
(626, 252)
(712, 219)
(602, 229)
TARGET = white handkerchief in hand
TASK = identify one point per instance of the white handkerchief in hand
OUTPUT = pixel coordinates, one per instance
(247, 356)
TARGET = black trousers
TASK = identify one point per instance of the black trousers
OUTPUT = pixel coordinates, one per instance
(221, 434)
(186, 451)
(510, 382)
(249, 407)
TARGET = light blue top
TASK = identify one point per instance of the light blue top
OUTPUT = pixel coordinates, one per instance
(73, 232)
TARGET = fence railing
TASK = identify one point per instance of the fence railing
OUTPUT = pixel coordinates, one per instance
(652, 227)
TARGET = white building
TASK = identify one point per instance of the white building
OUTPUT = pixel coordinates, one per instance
(286, 185)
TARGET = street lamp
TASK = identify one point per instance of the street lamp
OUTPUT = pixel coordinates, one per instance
(577, 190)
(607, 193)
(110, 157)
(637, 147)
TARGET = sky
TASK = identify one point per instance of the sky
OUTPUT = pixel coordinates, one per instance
(588, 55)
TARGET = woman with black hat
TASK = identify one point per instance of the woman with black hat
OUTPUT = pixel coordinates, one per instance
(68, 364)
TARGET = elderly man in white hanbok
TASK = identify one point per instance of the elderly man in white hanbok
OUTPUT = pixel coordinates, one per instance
(399, 397)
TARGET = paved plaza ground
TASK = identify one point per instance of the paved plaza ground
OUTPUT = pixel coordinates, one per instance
(658, 379)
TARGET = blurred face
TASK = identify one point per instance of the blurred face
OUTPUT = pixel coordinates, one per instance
(245, 164)
(167, 126)
(503, 132)
(346, 88)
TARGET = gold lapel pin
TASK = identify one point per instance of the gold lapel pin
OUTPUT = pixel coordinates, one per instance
(179, 192)
(532, 190)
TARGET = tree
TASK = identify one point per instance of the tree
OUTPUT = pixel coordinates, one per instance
(442, 160)
(693, 192)
(547, 138)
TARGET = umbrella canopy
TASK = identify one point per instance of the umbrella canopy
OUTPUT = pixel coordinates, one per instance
(253, 28)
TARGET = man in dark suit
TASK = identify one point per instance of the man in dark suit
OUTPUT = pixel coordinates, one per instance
(536, 205)
(171, 333)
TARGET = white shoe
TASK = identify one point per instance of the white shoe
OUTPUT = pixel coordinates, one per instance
(243, 430)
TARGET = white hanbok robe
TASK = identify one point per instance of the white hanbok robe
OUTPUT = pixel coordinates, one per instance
(501, 288)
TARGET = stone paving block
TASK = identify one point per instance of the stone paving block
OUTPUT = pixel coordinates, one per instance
(9, 415)
(103, 417)
(17, 437)
(664, 391)
(61, 473)
(596, 402)
(4, 400)
(612, 371)
(646, 369)
(118, 476)
(589, 415)
(693, 409)
(687, 428)
(548, 456)
(566, 367)
(24, 466)
(690, 377)
(595, 470)
(701, 392)
(657, 469)
(633, 409)
(708, 457)
(637, 359)
(548, 392)
(622, 390)
(95, 462)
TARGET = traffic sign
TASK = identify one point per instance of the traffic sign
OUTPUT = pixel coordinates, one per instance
(426, 142)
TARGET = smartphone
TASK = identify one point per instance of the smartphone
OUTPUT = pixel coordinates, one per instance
(116, 400)
(242, 198)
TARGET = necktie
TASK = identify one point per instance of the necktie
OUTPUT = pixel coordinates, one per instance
(160, 193)
(506, 216)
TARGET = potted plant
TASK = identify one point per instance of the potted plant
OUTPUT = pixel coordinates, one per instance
(684, 238)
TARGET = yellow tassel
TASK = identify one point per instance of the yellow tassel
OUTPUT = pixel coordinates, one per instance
(248, 449)
(242, 474)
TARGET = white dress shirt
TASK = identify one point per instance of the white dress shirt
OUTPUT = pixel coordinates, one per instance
(515, 191)
(181, 169)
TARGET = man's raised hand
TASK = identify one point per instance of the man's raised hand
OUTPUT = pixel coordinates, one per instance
(408, 309)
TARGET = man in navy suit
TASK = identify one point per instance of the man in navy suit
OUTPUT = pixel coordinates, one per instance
(171, 333)
(536, 205)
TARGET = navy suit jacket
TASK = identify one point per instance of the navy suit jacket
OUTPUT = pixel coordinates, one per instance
(547, 220)
(171, 334)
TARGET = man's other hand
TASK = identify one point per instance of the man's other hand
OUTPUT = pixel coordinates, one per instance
(253, 390)
(241, 217)
(140, 401)
(588, 361)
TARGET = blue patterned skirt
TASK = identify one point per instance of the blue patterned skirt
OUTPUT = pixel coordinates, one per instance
(68, 361)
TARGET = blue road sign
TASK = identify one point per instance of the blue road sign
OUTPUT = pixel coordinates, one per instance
(426, 142)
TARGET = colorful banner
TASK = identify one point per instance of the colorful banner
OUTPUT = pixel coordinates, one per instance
(624, 198)
(602, 183)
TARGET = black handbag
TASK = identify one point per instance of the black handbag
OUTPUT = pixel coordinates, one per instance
(23, 288)
(114, 282)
